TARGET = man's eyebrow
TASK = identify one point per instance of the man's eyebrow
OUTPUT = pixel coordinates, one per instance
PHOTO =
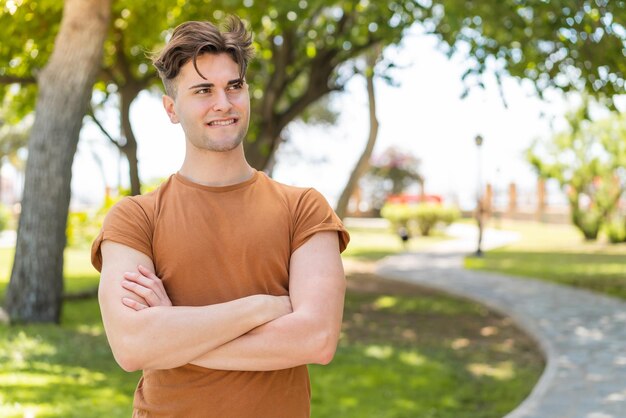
(203, 85)
(211, 85)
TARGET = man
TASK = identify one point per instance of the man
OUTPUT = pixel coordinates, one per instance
(222, 284)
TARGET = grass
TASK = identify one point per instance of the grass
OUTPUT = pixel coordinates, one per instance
(67, 370)
(79, 273)
(558, 253)
(404, 352)
(409, 352)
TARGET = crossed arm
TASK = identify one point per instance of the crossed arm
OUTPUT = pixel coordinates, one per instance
(259, 332)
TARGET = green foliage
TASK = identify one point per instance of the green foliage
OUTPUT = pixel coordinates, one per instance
(430, 215)
(83, 226)
(28, 31)
(5, 217)
(422, 217)
(616, 231)
(570, 45)
(588, 160)
(589, 223)
(306, 49)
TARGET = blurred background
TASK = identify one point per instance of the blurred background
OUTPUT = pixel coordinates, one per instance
(416, 119)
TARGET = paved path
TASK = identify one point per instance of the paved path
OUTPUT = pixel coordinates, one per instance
(583, 335)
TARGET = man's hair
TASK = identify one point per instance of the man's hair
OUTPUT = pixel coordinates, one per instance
(191, 39)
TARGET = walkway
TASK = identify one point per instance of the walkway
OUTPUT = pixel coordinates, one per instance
(582, 335)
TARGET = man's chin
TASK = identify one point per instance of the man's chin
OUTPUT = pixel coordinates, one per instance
(214, 145)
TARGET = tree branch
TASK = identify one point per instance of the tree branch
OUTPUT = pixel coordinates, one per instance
(12, 79)
(91, 114)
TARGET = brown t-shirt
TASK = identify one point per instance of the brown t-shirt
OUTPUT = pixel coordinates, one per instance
(212, 245)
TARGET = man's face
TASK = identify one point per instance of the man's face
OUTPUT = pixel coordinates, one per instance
(214, 112)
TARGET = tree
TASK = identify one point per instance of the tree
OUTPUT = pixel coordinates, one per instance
(588, 160)
(400, 168)
(65, 86)
(390, 173)
(569, 45)
(362, 163)
(303, 49)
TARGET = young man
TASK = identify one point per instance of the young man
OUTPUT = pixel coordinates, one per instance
(222, 284)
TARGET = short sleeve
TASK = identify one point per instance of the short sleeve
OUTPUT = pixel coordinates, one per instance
(126, 223)
(314, 214)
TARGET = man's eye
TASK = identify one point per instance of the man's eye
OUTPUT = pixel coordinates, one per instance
(202, 91)
(235, 86)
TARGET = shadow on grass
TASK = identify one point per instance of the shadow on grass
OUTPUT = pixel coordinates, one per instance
(411, 352)
(63, 371)
(603, 273)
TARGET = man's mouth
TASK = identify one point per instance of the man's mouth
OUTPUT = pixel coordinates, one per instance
(222, 122)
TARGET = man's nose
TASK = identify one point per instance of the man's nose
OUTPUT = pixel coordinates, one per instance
(222, 102)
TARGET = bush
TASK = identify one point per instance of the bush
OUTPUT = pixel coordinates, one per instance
(589, 223)
(616, 231)
(82, 227)
(419, 219)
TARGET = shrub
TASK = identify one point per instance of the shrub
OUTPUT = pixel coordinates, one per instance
(83, 226)
(589, 223)
(430, 215)
(419, 218)
(616, 231)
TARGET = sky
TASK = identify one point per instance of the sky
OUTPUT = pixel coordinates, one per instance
(424, 115)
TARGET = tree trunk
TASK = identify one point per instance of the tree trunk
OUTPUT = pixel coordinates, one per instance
(128, 94)
(259, 152)
(363, 163)
(65, 86)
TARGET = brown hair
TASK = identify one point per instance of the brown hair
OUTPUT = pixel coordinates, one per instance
(194, 38)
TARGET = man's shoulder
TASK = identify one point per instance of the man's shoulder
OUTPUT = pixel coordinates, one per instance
(290, 194)
(143, 205)
(283, 188)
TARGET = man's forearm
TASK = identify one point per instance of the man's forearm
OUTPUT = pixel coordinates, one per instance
(289, 341)
(167, 337)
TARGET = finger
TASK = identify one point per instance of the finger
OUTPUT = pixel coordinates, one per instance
(157, 284)
(144, 292)
(142, 280)
(146, 272)
(139, 279)
(154, 285)
(133, 304)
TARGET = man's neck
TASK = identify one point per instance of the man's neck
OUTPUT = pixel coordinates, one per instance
(216, 168)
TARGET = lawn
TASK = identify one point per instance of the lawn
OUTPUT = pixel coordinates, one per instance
(404, 352)
(558, 253)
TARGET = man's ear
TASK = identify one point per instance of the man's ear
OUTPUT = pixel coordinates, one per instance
(168, 105)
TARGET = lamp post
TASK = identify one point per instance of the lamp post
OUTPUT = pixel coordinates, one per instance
(479, 198)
